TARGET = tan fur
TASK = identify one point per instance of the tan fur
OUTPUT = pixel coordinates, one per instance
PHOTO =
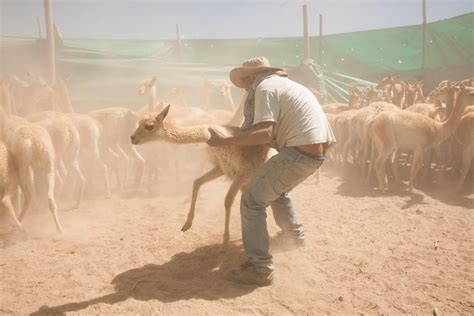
(238, 164)
(359, 134)
(66, 142)
(406, 130)
(341, 127)
(393, 90)
(372, 95)
(468, 109)
(185, 116)
(92, 145)
(8, 183)
(175, 96)
(222, 89)
(227, 96)
(428, 109)
(464, 134)
(117, 124)
(355, 99)
(413, 93)
(32, 150)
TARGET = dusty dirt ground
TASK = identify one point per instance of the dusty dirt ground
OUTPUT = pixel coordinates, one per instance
(366, 253)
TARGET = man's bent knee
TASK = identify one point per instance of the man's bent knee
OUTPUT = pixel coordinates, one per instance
(252, 201)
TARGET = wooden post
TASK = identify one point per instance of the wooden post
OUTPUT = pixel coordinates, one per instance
(58, 40)
(51, 52)
(305, 32)
(178, 42)
(423, 39)
(320, 53)
(38, 24)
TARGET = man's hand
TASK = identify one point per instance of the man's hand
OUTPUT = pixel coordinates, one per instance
(260, 134)
(216, 139)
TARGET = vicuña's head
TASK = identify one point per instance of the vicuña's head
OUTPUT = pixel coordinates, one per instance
(465, 95)
(147, 85)
(372, 94)
(149, 127)
(440, 93)
(388, 80)
(355, 96)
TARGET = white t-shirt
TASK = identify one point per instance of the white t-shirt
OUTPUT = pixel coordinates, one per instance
(295, 110)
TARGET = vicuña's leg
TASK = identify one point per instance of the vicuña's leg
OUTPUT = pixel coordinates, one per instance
(137, 159)
(229, 200)
(81, 181)
(395, 160)
(6, 202)
(380, 169)
(26, 185)
(126, 160)
(50, 177)
(96, 157)
(427, 160)
(367, 144)
(418, 156)
(373, 156)
(467, 155)
(211, 175)
(348, 147)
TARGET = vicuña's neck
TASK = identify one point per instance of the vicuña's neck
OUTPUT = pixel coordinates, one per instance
(151, 99)
(185, 135)
(229, 101)
(448, 126)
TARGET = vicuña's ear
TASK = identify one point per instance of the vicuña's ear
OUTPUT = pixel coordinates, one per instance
(160, 117)
(153, 79)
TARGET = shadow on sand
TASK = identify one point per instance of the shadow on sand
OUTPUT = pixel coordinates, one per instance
(198, 274)
(353, 185)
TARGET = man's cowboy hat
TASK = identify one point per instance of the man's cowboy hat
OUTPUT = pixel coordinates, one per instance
(250, 67)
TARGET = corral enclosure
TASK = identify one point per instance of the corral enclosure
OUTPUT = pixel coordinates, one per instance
(373, 245)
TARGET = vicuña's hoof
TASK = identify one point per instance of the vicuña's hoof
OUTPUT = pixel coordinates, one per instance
(186, 226)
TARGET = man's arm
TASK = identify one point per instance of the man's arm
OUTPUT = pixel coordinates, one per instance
(261, 133)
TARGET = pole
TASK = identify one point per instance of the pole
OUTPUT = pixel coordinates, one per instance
(40, 34)
(178, 42)
(423, 38)
(51, 54)
(305, 32)
(320, 53)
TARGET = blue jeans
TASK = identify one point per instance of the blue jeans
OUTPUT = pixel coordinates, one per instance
(270, 186)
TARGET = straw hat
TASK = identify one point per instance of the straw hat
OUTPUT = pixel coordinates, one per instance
(250, 67)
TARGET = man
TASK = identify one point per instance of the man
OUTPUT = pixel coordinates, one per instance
(286, 114)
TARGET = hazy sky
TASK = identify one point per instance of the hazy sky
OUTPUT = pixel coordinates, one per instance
(147, 19)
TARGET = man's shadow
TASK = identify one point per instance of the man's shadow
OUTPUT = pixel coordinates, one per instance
(198, 274)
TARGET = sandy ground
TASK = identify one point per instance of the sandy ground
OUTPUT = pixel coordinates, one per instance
(366, 253)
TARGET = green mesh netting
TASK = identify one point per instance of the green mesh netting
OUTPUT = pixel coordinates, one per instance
(107, 72)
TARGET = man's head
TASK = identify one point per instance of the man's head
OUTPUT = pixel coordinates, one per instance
(244, 76)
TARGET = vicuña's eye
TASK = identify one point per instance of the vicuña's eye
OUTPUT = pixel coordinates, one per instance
(149, 127)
